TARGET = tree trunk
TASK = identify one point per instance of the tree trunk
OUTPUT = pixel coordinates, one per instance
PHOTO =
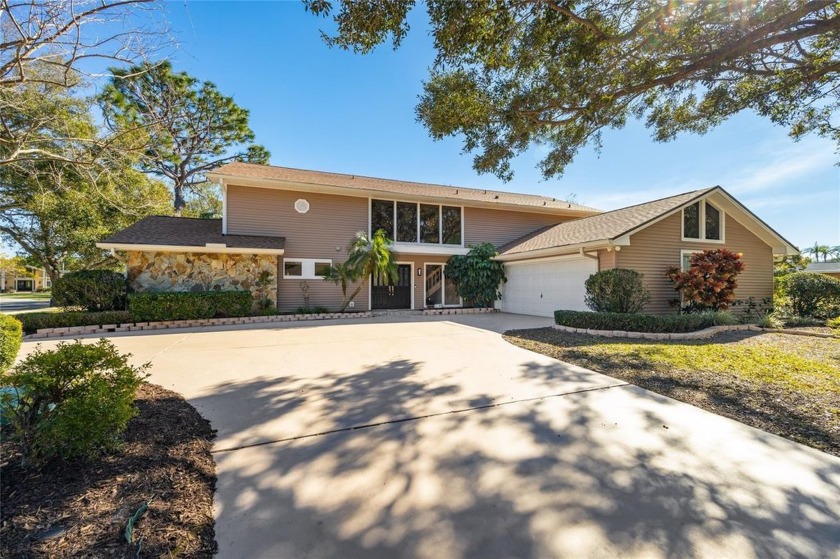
(180, 202)
(353, 296)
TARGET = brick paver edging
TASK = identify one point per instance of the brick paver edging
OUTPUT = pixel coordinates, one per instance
(44, 333)
(434, 312)
(69, 331)
(698, 335)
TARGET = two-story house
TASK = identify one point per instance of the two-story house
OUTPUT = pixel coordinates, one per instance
(282, 228)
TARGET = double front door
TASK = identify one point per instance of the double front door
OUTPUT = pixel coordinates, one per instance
(387, 295)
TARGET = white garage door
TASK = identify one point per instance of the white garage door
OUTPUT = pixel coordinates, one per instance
(540, 288)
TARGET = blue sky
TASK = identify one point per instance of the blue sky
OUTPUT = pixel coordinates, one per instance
(319, 108)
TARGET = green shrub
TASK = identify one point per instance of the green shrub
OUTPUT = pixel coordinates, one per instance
(92, 290)
(643, 322)
(770, 321)
(833, 323)
(477, 276)
(32, 322)
(618, 290)
(805, 294)
(149, 307)
(73, 401)
(11, 336)
(312, 310)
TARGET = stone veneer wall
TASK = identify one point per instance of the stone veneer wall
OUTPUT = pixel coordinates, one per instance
(186, 271)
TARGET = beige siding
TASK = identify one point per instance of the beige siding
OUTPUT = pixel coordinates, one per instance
(606, 260)
(658, 247)
(500, 226)
(333, 220)
(330, 222)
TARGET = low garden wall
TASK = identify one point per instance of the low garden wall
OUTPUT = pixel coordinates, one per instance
(698, 335)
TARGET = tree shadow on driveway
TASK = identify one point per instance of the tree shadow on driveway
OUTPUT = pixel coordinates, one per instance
(605, 472)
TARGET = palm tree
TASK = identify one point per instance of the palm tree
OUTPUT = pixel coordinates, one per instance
(818, 250)
(368, 256)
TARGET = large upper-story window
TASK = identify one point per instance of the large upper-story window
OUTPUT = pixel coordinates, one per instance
(702, 221)
(417, 223)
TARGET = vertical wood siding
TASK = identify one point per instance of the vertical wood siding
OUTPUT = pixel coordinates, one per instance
(657, 247)
(500, 226)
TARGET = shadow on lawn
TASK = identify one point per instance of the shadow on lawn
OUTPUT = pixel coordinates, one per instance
(585, 474)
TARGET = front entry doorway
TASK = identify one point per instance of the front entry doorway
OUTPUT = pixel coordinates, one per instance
(440, 290)
(394, 296)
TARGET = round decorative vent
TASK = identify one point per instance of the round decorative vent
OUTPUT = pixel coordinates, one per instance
(302, 206)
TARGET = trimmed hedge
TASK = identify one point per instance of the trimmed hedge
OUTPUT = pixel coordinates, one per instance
(92, 290)
(150, 307)
(32, 322)
(618, 290)
(667, 324)
(11, 336)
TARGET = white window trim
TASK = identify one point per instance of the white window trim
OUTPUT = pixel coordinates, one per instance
(682, 257)
(440, 206)
(702, 220)
(307, 267)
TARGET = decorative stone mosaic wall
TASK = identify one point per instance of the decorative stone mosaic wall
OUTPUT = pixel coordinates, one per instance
(173, 271)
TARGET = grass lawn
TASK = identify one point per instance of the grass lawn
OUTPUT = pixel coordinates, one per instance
(40, 295)
(787, 385)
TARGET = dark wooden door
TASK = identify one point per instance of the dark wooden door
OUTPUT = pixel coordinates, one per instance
(394, 296)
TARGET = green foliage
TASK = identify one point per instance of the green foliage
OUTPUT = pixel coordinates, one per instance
(833, 323)
(313, 310)
(753, 310)
(34, 321)
(710, 281)
(508, 75)
(192, 128)
(367, 256)
(149, 307)
(677, 323)
(477, 276)
(73, 401)
(204, 201)
(770, 321)
(804, 294)
(618, 290)
(822, 253)
(11, 336)
(93, 290)
(784, 265)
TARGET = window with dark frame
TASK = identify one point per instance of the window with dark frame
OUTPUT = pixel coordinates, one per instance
(429, 224)
(691, 221)
(406, 222)
(382, 217)
(451, 220)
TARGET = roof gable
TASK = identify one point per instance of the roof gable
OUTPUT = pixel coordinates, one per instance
(610, 227)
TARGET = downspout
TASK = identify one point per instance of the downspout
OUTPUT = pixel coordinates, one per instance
(595, 258)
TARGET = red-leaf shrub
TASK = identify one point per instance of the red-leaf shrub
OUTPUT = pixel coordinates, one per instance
(710, 281)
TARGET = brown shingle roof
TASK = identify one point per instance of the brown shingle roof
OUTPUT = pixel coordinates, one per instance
(601, 227)
(396, 187)
(188, 232)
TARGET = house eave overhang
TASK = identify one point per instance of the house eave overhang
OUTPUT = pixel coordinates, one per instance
(577, 248)
(227, 180)
(132, 247)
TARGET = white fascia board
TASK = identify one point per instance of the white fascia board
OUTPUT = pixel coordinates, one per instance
(199, 249)
(412, 248)
(556, 251)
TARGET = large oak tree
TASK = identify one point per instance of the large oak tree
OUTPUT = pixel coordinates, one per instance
(509, 74)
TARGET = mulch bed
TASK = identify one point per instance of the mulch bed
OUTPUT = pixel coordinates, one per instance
(811, 418)
(80, 509)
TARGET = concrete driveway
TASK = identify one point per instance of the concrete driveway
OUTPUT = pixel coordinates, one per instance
(433, 437)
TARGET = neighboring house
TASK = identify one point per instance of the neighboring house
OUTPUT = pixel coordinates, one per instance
(828, 268)
(28, 279)
(283, 227)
